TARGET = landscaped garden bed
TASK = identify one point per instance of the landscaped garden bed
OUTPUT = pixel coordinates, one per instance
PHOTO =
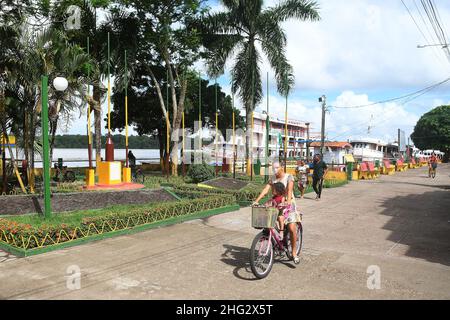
(31, 234)
(24, 204)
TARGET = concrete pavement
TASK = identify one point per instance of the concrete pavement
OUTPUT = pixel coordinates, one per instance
(399, 225)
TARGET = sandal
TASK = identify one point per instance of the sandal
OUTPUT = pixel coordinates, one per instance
(296, 260)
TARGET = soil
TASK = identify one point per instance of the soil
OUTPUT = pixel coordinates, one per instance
(226, 183)
(15, 205)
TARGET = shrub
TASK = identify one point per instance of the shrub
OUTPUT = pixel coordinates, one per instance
(200, 172)
(246, 194)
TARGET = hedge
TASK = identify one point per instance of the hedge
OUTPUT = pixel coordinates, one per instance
(26, 236)
(249, 193)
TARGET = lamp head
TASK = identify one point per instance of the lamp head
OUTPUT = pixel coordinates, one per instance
(60, 83)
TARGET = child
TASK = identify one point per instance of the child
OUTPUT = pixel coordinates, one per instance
(278, 198)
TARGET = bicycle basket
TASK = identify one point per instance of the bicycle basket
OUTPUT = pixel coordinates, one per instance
(264, 217)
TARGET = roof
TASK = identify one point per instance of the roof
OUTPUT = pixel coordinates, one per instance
(369, 140)
(334, 144)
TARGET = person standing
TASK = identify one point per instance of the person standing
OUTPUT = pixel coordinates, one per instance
(302, 177)
(320, 170)
(132, 162)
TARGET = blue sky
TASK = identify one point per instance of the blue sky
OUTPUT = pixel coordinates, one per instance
(360, 52)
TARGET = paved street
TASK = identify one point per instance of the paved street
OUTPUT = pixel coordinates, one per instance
(399, 223)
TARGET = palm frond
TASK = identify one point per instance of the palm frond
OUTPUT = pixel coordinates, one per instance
(299, 9)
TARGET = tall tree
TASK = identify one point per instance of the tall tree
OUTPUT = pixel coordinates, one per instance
(46, 53)
(432, 131)
(168, 43)
(238, 31)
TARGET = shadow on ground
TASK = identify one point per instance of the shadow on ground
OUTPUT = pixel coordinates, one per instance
(239, 257)
(421, 222)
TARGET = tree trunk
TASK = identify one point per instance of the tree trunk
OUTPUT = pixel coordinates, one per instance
(31, 146)
(54, 126)
(161, 150)
(11, 153)
(248, 125)
(25, 146)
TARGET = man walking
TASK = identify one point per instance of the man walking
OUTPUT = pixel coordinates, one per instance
(320, 170)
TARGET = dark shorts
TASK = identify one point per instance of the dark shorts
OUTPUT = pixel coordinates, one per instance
(434, 165)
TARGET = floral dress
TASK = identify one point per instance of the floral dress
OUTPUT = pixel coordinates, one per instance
(290, 212)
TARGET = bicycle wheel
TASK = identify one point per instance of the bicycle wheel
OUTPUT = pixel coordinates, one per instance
(261, 256)
(299, 242)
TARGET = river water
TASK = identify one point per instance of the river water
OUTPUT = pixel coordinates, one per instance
(79, 157)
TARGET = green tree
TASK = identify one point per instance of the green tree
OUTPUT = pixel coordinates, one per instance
(168, 42)
(96, 30)
(208, 101)
(432, 131)
(236, 33)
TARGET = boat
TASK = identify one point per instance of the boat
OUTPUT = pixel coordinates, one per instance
(368, 149)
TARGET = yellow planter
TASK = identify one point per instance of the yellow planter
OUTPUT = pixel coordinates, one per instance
(109, 173)
(126, 172)
(90, 177)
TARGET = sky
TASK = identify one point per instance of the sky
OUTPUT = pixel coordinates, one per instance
(360, 52)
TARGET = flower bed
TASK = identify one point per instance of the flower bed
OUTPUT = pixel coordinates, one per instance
(26, 236)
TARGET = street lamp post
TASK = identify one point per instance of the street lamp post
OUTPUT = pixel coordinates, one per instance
(60, 84)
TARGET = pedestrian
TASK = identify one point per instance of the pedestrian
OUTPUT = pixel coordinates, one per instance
(302, 177)
(320, 170)
(132, 162)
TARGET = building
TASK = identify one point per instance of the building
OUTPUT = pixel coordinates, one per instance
(368, 149)
(297, 135)
(335, 152)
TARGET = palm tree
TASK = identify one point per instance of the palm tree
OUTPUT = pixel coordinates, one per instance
(46, 53)
(236, 33)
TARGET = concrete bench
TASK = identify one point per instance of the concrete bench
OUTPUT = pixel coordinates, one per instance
(423, 162)
(364, 173)
(400, 166)
(374, 172)
(388, 168)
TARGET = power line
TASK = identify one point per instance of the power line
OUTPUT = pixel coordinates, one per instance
(430, 34)
(412, 96)
(433, 16)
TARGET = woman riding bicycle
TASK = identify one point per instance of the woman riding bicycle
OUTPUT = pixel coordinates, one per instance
(432, 164)
(292, 216)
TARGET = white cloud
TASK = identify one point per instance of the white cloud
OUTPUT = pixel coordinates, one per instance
(384, 119)
(362, 44)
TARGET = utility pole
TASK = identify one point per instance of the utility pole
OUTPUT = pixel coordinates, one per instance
(307, 142)
(323, 99)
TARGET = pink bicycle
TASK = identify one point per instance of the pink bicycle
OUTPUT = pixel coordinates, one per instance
(268, 244)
